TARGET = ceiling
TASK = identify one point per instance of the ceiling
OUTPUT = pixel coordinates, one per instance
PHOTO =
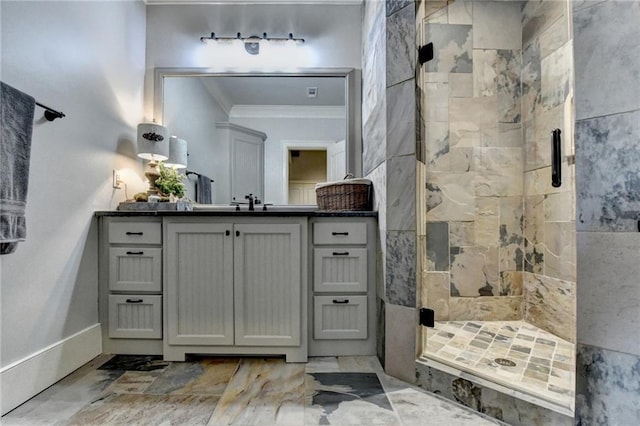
(269, 90)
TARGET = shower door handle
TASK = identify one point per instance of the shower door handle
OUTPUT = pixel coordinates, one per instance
(556, 158)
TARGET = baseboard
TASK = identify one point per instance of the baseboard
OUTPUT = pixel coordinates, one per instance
(29, 376)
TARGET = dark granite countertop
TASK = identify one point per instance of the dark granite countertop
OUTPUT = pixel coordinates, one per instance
(280, 212)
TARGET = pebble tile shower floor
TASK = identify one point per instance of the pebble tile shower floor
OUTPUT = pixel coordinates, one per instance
(544, 364)
(144, 390)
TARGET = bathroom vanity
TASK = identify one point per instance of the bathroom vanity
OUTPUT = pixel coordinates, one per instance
(288, 281)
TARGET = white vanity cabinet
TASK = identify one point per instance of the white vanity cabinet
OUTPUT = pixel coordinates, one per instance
(131, 293)
(269, 284)
(235, 286)
(343, 285)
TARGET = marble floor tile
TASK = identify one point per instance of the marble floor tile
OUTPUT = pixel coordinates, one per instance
(133, 382)
(263, 392)
(512, 353)
(343, 391)
(135, 363)
(347, 399)
(416, 407)
(121, 409)
(62, 400)
(208, 376)
(322, 364)
(359, 364)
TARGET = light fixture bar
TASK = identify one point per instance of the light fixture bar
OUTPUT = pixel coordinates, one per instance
(251, 39)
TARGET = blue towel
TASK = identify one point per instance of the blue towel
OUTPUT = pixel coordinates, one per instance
(203, 189)
(16, 126)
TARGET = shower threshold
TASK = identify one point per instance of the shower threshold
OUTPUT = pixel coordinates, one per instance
(520, 358)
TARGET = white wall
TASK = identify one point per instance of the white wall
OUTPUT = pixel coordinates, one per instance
(87, 60)
(332, 34)
(192, 114)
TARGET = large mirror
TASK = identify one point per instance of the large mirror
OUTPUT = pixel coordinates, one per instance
(274, 135)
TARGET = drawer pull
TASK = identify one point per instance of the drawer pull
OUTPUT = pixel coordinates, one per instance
(343, 301)
(134, 300)
(339, 233)
(137, 253)
(343, 253)
(134, 233)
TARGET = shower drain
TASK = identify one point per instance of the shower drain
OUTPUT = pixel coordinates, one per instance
(505, 362)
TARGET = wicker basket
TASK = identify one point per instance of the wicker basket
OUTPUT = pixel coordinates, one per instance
(351, 194)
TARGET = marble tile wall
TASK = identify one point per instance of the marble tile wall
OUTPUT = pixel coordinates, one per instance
(374, 144)
(549, 277)
(474, 157)
(389, 160)
(496, 228)
(400, 275)
(609, 172)
(374, 107)
(607, 82)
(607, 65)
(609, 290)
(607, 387)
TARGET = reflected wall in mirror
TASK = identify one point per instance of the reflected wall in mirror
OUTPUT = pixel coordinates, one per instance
(274, 135)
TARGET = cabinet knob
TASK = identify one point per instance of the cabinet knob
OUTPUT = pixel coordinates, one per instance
(237, 233)
(227, 232)
(343, 301)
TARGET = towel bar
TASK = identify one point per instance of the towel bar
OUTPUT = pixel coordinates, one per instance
(50, 113)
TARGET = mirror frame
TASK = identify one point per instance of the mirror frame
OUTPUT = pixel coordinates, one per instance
(353, 98)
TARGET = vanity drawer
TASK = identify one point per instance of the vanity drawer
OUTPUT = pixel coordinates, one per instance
(340, 317)
(135, 233)
(135, 269)
(340, 233)
(135, 316)
(340, 269)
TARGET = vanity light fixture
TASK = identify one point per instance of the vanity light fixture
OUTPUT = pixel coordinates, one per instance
(252, 43)
(153, 145)
(177, 153)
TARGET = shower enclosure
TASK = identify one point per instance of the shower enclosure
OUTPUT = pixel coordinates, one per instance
(499, 266)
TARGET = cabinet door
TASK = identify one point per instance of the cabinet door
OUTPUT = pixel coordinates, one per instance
(267, 284)
(199, 283)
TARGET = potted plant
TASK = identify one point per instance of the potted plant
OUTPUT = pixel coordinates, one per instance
(170, 183)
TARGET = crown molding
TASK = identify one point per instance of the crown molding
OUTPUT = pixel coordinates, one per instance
(287, 111)
(219, 98)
